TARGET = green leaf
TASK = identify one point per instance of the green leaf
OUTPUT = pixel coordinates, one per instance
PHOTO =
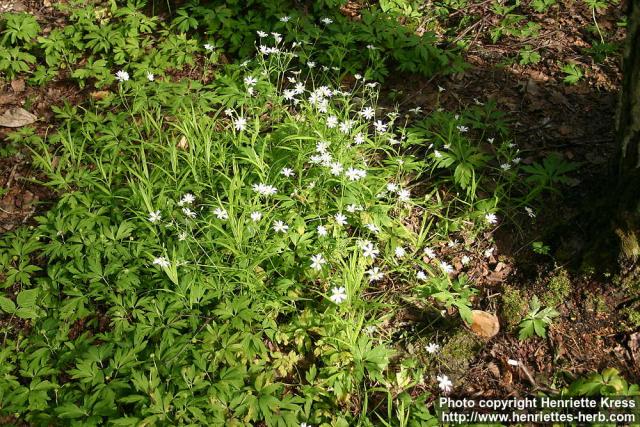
(70, 410)
(27, 298)
(7, 305)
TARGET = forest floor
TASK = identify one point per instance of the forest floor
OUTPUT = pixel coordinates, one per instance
(595, 329)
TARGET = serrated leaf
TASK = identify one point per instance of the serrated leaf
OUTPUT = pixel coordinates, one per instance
(27, 298)
(7, 305)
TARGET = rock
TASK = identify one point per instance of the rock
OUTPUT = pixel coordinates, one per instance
(484, 324)
(16, 117)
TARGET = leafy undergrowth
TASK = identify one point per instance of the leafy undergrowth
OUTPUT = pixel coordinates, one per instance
(254, 243)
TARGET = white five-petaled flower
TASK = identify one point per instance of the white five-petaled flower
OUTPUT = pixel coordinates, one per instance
(188, 212)
(240, 123)
(326, 21)
(317, 261)
(154, 216)
(261, 34)
(285, 19)
(322, 230)
(489, 252)
(250, 81)
(465, 260)
(444, 383)
(437, 154)
(420, 275)
(400, 252)
(353, 208)
(380, 127)
(369, 251)
(221, 213)
(340, 218)
(530, 212)
(122, 76)
(187, 199)
(505, 166)
(345, 126)
(150, 77)
(359, 138)
(447, 268)
(432, 348)
(372, 228)
(288, 172)
(256, 216)
(332, 122)
(404, 195)
(280, 227)
(265, 189)
(392, 187)
(336, 168)
(368, 113)
(208, 47)
(355, 174)
(462, 129)
(338, 295)
(429, 253)
(375, 274)
(491, 218)
(161, 261)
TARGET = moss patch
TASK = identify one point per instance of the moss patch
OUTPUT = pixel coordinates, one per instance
(558, 289)
(458, 353)
(513, 308)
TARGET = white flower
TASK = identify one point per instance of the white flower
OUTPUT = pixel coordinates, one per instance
(208, 47)
(429, 253)
(447, 268)
(250, 81)
(317, 261)
(530, 212)
(489, 252)
(404, 195)
(256, 216)
(221, 213)
(462, 129)
(326, 21)
(336, 168)
(375, 274)
(340, 219)
(188, 212)
(261, 34)
(440, 89)
(373, 228)
(182, 236)
(332, 122)
(380, 127)
(353, 208)
(416, 110)
(516, 160)
(150, 76)
(369, 251)
(265, 189)
(444, 383)
(359, 138)
(465, 260)
(513, 362)
(345, 126)
(155, 217)
(437, 154)
(453, 243)
(322, 230)
(368, 113)
(288, 172)
(162, 262)
(391, 187)
(490, 140)
(311, 64)
(285, 19)
(338, 295)
(420, 275)
(289, 94)
(187, 199)
(355, 174)
(505, 166)
(280, 227)
(432, 348)
(122, 76)
(240, 123)
(400, 252)
(357, 76)
(491, 218)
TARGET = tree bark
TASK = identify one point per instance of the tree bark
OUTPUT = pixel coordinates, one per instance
(627, 225)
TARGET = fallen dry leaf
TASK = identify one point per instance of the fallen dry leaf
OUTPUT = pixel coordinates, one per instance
(100, 94)
(16, 117)
(484, 324)
(17, 85)
(183, 144)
